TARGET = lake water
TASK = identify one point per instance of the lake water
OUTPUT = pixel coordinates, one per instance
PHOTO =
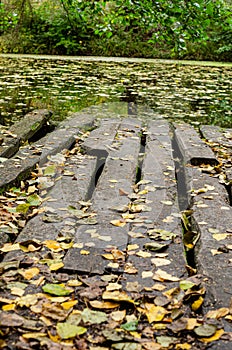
(192, 93)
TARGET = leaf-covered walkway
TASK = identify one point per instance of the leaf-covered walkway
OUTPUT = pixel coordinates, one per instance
(123, 235)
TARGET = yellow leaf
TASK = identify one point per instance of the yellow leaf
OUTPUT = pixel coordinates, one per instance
(135, 335)
(34, 335)
(130, 269)
(69, 304)
(128, 216)
(184, 346)
(9, 247)
(220, 236)
(160, 261)
(197, 304)
(108, 256)
(218, 313)
(147, 274)
(143, 254)
(158, 286)
(17, 291)
(162, 275)
(74, 283)
(52, 245)
(216, 336)
(113, 181)
(78, 245)
(57, 299)
(29, 273)
(118, 315)
(215, 252)
(132, 247)
(119, 223)
(84, 252)
(46, 321)
(155, 313)
(8, 307)
(97, 304)
(117, 296)
(65, 246)
(191, 323)
(56, 266)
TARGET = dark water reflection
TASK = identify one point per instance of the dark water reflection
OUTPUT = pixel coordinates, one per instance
(195, 94)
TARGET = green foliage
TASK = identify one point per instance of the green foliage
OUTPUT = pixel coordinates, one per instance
(148, 28)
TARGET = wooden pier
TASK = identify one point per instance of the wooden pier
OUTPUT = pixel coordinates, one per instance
(145, 202)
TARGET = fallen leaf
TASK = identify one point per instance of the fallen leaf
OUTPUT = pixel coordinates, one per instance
(117, 296)
(29, 273)
(93, 317)
(130, 326)
(222, 312)
(56, 266)
(52, 245)
(220, 236)
(184, 285)
(215, 337)
(160, 262)
(56, 289)
(103, 304)
(147, 274)
(162, 275)
(143, 254)
(84, 252)
(118, 316)
(67, 330)
(197, 304)
(69, 304)
(118, 223)
(205, 330)
(154, 313)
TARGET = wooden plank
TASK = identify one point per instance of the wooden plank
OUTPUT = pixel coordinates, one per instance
(57, 219)
(158, 180)
(23, 130)
(212, 215)
(216, 134)
(118, 174)
(19, 167)
(192, 148)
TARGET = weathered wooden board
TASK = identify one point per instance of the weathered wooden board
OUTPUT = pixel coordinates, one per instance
(212, 216)
(19, 167)
(159, 194)
(118, 175)
(192, 148)
(23, 130)
(216, 134)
